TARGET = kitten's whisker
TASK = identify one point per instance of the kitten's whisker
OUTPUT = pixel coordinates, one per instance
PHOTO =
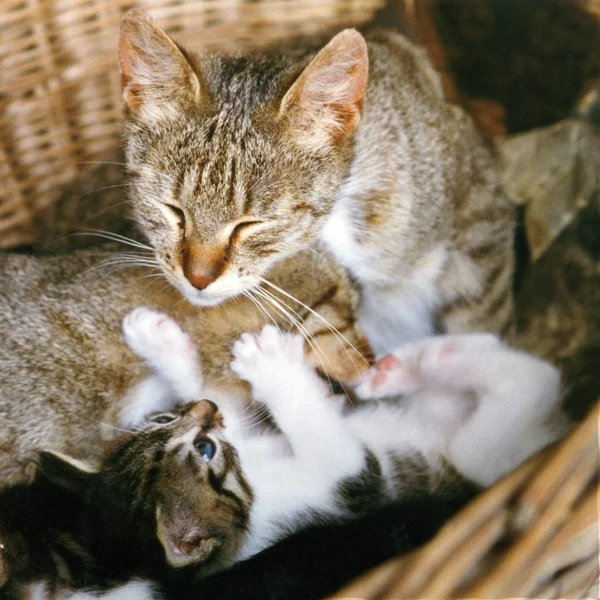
(334, 330)
(113, 427)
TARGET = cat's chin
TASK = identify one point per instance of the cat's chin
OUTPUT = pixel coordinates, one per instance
(201, 299)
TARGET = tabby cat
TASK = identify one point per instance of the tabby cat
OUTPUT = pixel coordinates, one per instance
(209, 490)
(237, 162)
(66, 372)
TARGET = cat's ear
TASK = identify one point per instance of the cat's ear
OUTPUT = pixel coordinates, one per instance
(156, 78)
(325, 103)
(65, 471)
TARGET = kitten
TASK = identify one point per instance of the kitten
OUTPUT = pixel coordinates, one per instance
(237, 162)
(46, 554)
(211, 492)
(66, 372)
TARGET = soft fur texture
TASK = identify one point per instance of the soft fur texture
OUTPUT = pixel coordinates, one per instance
(209, 491)
(237, 162)
(66, 371)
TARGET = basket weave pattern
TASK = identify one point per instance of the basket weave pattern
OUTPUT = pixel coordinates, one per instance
(535, 534)
(60, 101)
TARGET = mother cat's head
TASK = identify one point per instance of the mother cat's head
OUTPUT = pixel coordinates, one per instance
(235, 162)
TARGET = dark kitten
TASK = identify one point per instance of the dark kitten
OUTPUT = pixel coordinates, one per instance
(73, 533)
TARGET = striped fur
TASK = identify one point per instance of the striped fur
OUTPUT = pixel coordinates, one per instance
(353, 146)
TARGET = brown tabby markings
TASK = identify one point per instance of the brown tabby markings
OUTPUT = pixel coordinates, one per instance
(239, 161)
(65, 368)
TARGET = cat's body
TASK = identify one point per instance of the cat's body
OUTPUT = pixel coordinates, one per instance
(238, 162)
(211, 492)
(66, 370)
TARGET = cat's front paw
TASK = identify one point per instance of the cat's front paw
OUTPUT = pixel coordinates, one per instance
(266, 354)
(152, 335)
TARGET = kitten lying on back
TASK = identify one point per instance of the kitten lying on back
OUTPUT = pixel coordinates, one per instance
(238, 162)
(65, 369)
(212, 492)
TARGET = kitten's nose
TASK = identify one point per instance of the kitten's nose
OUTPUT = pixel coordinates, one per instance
(205, 412)
(200, 282)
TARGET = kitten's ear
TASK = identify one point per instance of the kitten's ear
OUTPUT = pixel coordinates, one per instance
(325, 103)
(156, 78)
(65, 471)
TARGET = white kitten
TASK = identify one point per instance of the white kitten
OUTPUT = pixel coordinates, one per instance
(467, 401)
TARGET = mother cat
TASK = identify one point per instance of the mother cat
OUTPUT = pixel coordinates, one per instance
(238, 162)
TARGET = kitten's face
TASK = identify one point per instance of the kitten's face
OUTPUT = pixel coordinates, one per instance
(234, 162)
(192, 479)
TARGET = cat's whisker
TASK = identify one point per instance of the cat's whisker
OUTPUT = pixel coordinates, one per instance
(322, 356)
(107, 187)
(99, 162)
(316, 347)
(303, 331)
(119, 263)
(115, 237)
(333, 329)
(107, 209)
(256, 301)
(127, 261)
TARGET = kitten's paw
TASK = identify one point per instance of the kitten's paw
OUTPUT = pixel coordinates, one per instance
(392, 375)
(151, 334)
(257, 354)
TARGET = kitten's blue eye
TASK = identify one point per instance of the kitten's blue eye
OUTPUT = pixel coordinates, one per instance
(206, 449)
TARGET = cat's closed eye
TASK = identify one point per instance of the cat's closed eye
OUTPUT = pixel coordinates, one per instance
(176, 216)
(243, 227)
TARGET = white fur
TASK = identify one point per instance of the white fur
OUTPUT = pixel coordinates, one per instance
(133, 590)
(467, 399)
(391, 313)
(151, 335)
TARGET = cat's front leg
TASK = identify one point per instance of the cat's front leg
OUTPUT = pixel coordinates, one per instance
(169, 351)
(300, 402)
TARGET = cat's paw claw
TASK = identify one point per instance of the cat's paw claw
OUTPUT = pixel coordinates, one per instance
(148, 332)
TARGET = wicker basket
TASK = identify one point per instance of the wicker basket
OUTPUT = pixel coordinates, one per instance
(60, 99)
(535, 534)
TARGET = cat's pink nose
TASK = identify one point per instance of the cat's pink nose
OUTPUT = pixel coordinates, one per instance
(200, 282)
